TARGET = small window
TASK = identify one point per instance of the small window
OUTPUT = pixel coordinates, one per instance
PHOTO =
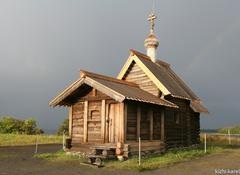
(177, 117)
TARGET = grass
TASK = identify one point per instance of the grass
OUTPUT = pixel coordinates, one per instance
(20, 140)
(59, 156)
(148, 163)
(215, 144)
(233, 130)
(169, 158)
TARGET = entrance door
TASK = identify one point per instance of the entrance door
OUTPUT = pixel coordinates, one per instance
(111, 123)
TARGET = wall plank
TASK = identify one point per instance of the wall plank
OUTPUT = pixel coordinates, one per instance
(136, 75)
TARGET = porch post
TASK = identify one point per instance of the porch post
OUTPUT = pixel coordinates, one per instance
(85, 118)
(70, 112)
(121, 130)
(103, 120)
(138, 121)
(125, 122)
(151, 124)
(162, 125)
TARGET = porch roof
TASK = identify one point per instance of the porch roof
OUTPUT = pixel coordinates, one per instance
(119, 90)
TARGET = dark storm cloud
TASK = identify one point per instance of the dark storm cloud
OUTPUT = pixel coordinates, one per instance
(44, 44)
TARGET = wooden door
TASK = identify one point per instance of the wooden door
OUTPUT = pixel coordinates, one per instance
(111, 123)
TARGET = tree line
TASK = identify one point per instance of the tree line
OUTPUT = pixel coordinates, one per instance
(11, 125)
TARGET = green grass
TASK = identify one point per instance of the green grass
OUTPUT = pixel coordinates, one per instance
(169, 158)
(19, 140)
(59, 157)
(233, 130)
(147, 163)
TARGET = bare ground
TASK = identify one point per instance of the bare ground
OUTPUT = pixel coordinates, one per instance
(20, 161)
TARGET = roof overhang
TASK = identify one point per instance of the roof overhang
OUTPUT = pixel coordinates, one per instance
(117, 94)
(65, 93)
(88, 81)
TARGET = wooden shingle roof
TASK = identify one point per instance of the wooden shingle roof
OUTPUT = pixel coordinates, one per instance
(117, 89)
(165, 79)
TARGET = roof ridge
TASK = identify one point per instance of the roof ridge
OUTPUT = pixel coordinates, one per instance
(84, 73)
(158, 61)
(141, 54)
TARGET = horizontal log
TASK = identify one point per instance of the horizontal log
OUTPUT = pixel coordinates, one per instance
(131, 137)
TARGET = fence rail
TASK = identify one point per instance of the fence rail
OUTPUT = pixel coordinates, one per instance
(211, 139)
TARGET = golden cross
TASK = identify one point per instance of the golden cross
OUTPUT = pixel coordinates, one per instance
(151, 18)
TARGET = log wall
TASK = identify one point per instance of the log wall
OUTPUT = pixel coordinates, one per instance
(77, 122)
(131, 121)
(182, 126)
(143, 120)
(145, 123)
(195, 128)
(86, 117)
(157, 124)
(96, 118)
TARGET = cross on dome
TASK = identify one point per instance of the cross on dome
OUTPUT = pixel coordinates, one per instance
(151, 19)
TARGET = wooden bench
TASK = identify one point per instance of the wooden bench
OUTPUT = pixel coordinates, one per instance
(100, 153)
(96, 159)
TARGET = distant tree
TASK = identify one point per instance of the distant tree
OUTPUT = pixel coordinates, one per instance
(10, 124)
(63, 127)
(38, 131)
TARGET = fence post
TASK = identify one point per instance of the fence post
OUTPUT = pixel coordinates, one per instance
(229, 137)
(36, 148)
(139, 151)
(63, 141)
(205, 142)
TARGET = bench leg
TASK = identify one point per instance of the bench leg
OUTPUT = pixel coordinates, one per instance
(98, 161)
(91, 160)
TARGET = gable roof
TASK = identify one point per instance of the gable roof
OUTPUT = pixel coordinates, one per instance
(117, 89)
(164, 78)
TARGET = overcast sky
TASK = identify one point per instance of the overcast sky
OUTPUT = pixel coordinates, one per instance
(44, 44)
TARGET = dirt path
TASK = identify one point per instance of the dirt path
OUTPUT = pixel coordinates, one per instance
(20, 161)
